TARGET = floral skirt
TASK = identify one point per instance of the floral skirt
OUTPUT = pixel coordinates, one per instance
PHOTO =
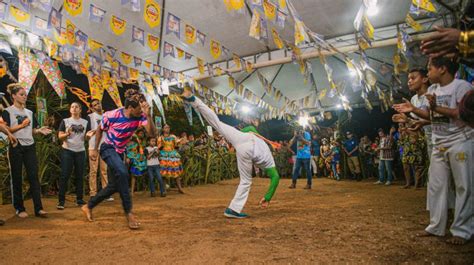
(170, 164)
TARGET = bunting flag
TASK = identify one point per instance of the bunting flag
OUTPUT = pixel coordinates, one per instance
(70, 32)
(28, 69)
(413, 23)
(96, 14)
(73, 7)
(248, 67)
(189, 34)
(168, 50)
(54, 20)
(269, 9)
(51, 70)
(126, 58)
(180, 53)
(147, 64)
(94, 45)
(152, 13)
(95, 85)
(187, 56)
(300, 33)
(81, 40)
(44, 5)
(135, 5)
(201, 37)
(254, 31)
(138, 35)
(156, 69)
(215, 49)
(123, 72)
(109, 83)
(19, 16)
(276, 39)
(40, 25)
(137, 61)
(3, 10)
(280, 19)
(153, 42)
(427, 5)
(231, 81)
(133, 74)
(51, 47)
(173, 25)
(23, 4)
(255, 4)
(200, 64)
(263, 31)
(85, 64)
(237, 61)
(117, 25)
(61, 36)
(112, 51)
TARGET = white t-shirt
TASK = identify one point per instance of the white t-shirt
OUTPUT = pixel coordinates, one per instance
(421, 102)
(75, 142)
(445, 129)
(14, 116)
(154, 160)
(94, 122)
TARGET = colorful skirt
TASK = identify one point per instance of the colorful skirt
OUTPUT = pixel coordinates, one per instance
(170, 164)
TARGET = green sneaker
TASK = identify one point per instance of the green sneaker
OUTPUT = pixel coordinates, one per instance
(233, 214)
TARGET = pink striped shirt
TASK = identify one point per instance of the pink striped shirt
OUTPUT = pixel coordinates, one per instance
(119, 129)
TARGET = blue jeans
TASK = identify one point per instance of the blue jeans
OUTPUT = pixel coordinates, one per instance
(154, 172)
(385, 166)
(118, 179)
(334, 169)
(305, 163)
(70, 159)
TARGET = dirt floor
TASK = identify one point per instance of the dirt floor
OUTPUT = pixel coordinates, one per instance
(336, 222)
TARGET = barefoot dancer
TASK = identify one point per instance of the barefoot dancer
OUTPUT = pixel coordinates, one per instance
(119, 126)
(251, 148)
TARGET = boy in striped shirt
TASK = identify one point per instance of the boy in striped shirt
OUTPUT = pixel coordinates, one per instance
(119, 125)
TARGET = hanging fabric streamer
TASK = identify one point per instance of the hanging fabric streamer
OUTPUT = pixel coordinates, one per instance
(28, 69)
(52, 72)
(189, 113)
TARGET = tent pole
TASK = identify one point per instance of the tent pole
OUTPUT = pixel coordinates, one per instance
(315, 54)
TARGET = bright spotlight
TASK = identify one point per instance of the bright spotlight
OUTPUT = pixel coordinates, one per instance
(303, 121)
(352, 71)
(245, 109)
(343, 98)
(15, 40)
(372, 11)
(339, 106)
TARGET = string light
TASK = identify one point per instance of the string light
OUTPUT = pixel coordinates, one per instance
(303, 121)
(245, 109)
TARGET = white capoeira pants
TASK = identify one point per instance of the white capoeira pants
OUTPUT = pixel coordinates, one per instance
(454, 160)
(249, 148)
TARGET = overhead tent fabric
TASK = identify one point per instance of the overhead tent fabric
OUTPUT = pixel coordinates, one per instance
(332, 19)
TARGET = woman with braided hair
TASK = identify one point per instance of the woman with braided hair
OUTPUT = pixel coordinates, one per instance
(119, 126)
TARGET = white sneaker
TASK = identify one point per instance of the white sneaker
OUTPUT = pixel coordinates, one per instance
(388, 183)
(111, 199)
(378, 182)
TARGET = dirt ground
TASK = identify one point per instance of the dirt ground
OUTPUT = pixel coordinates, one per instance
(336, 222)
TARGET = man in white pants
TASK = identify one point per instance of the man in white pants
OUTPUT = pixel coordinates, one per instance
(452, 154)
(250, 148)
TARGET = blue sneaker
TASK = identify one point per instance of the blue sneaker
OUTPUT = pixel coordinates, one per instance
(233, 214)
